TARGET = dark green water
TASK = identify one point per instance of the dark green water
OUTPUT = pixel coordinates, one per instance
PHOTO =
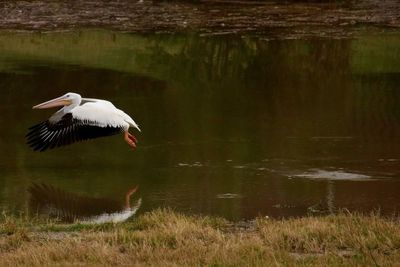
(232, 126)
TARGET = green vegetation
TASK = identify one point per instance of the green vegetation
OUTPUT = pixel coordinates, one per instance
(166, 238)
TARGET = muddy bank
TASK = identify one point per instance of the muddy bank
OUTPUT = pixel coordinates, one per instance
(289, 20)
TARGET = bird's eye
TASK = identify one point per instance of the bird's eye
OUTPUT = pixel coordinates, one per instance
(67, 95)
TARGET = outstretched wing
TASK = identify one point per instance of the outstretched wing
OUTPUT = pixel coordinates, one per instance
(66, 130)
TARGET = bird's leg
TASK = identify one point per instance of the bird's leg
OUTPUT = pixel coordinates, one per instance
(130, 139)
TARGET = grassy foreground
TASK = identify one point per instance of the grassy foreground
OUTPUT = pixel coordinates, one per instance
(167, 238)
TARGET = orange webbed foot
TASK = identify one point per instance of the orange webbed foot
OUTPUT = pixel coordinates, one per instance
(130, 139)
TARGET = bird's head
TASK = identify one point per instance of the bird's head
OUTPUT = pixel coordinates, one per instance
(65, 100)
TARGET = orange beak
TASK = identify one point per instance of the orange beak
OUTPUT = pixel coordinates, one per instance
(56, 102)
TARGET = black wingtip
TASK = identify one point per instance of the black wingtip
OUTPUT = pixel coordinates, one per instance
(34, 136)
(49, 135)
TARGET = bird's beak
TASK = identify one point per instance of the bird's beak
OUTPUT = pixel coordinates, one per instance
(56, 102)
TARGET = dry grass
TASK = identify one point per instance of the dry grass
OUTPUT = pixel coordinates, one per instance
(166, 238)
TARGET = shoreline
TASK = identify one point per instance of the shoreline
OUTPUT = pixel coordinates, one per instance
(166, 238)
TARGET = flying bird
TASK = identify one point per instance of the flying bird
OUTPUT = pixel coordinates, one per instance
(79, 119)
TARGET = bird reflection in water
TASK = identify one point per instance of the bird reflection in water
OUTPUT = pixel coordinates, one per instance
(70, 207)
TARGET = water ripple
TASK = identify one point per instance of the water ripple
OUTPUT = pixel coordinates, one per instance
(332, 175)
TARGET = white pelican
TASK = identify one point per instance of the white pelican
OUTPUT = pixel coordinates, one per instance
(79, 119)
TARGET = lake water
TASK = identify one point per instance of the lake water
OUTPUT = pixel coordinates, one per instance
(231, 126)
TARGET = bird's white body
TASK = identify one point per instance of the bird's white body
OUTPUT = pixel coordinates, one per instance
(79, 119)
(103, 113)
